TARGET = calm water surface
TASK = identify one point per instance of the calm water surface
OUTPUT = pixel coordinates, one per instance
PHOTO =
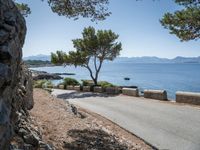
(171, 77)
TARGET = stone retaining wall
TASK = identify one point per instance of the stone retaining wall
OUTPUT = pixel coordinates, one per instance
(86, 88)
(112, 90)
(61, 87)
(155, 94)
(70, 87)
(181, 97)
(188, 97)
(98, 89)
(77, 88)
(130, 92)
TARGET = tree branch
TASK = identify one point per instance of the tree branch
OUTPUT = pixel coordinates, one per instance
(91, 74)
(98, 70)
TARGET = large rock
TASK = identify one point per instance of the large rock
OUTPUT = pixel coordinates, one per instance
(12, 91)
(16, 92)
(41, 75)
(26, 87)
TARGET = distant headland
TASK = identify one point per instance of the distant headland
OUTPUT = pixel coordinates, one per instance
(144, 59)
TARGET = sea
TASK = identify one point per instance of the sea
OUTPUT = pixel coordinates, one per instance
(167, 76)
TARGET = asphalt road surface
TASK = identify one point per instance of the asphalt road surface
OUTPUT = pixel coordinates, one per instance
(163, 125)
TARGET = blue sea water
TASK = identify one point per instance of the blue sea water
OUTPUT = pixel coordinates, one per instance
(170, 77)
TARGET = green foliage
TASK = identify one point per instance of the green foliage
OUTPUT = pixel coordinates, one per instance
(100, 44)
(38, 83)
(94, 9)
(24, 9)
(188, 3)
(43, 84)
(48, 84)
(105, 84)
(58, 58)
(70, 81)
(93, 48)
(185, 24)
(87, 82)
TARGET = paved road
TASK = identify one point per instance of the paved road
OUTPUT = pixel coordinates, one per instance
(164, 125)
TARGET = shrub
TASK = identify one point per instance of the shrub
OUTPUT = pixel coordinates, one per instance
(42, 84)
(70, 81)
(47, 84)
(38, 83)
(87, 82)
(105, 84)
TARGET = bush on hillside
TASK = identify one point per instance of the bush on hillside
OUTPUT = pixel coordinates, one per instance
(87, 82)
(69, 81)
(48, 84)
(43, 84)
(105, 84)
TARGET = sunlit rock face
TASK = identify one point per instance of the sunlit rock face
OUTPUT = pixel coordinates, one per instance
(15, 80)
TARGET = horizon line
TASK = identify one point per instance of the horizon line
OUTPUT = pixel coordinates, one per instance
(127, 56)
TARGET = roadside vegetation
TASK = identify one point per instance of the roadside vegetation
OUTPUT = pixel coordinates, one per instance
(43, 84)
(103, 84)
(71, 82)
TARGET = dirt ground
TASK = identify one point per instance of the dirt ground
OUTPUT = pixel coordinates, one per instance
(65, 127)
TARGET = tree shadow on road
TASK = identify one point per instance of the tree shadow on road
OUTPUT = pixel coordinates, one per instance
(74, 95)
(93, 140)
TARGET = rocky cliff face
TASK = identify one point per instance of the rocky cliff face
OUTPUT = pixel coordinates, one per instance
(15, 81)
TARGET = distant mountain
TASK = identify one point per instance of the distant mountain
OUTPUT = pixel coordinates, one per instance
(38, 57)
(186, 59)
(145, 59)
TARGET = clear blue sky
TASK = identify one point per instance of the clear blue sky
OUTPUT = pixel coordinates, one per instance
(137, 23)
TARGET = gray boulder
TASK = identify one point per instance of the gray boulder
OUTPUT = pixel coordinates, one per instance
(16, 92)
(12, 35)
(41, 75)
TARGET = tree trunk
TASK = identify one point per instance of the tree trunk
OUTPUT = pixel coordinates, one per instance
(97, 73)
(91, 74)
(95, 82)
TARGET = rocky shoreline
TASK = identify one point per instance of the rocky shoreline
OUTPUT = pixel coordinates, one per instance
(42, 75)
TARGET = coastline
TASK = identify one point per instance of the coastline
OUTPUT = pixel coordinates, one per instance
(169, 77)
